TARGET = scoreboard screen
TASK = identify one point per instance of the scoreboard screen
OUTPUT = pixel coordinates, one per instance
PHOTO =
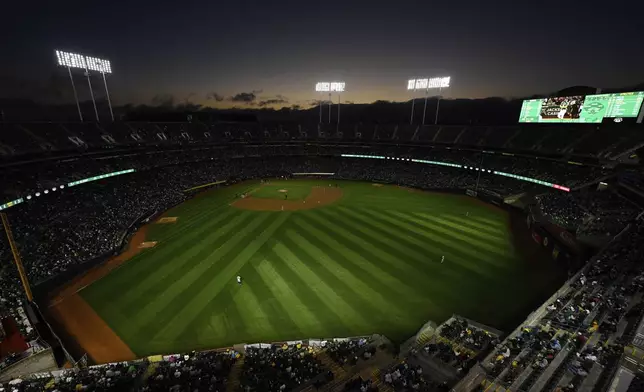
(581, 109)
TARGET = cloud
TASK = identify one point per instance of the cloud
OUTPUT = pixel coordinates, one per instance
(163, 100)
(348, 102)
(248, 98)
(317, 102)
(279, 99)
(214, 96)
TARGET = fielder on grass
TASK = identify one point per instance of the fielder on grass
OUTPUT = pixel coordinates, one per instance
(239, 280)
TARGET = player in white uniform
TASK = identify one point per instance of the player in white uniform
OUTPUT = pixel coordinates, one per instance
(239, 280)
(442, 259)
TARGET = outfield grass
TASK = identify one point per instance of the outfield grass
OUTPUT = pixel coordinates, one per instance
(296, 190)
(369, 263)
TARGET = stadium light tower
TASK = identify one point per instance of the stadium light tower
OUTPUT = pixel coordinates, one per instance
(73, 60)
(330, 87)
(425, 84)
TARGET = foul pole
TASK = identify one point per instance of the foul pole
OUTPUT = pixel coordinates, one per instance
(16, 257)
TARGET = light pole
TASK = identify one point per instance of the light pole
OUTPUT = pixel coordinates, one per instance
(89, 83)
(87, 63)
(330, 87)
(426, 84)
(107, 93)
(438, 102)
(425, 107)
(80, 114)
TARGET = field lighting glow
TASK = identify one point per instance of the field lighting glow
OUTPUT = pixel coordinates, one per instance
(427, 83)
(74, 60)
(330, 86)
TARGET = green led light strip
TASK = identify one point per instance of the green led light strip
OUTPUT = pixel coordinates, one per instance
(11, 203)
(102, 176)
(499, 173)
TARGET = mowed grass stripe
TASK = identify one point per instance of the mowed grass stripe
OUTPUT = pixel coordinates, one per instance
(423, 268)
(351, 239)
(196, 274)
(330, 320)
(256, 321)
(218, 274)
(409, 236)
(369, 274)
(465, 228)
(363, 293)
(462, 232)
(489, 226)
(140, 269)
(290, 303)
(333, 302)
(339, 251)
(268, 312)
(282, 323)
(183, 255)
(456, 252)
(198, 212)
(454, 242)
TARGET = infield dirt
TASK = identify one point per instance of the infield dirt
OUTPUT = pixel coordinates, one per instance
(319, 197)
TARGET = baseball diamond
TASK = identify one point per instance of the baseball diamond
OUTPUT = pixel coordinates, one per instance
(367, 260)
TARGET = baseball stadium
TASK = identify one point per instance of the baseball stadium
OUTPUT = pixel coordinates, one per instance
(259, 258)
(263, 250)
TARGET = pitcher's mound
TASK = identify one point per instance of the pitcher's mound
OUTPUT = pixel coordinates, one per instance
(147, 244)
(168, 219)
(319, 196)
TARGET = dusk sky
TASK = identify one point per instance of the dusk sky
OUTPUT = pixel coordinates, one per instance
(277, 50)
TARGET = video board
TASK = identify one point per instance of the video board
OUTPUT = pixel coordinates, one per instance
(581, 108)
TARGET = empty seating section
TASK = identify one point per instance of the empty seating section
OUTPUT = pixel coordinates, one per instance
(51, 136)
(427, 133)
(448, 134)
(599, 141)
(498, 136)
(89, 133)
(525, 140)
(384, 132)
(14, 138)
(472, 136)
(557, 139)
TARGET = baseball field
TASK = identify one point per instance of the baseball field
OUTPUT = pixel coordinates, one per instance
(317, 259)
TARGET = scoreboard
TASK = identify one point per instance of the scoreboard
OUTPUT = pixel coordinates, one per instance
(581, 109)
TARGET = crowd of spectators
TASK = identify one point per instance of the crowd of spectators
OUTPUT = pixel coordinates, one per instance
(279, 368)
(461, 332)
(115, 377)
(406, 377)
(350, 351)
(197, 371)
(591, 212)
(601, 298)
